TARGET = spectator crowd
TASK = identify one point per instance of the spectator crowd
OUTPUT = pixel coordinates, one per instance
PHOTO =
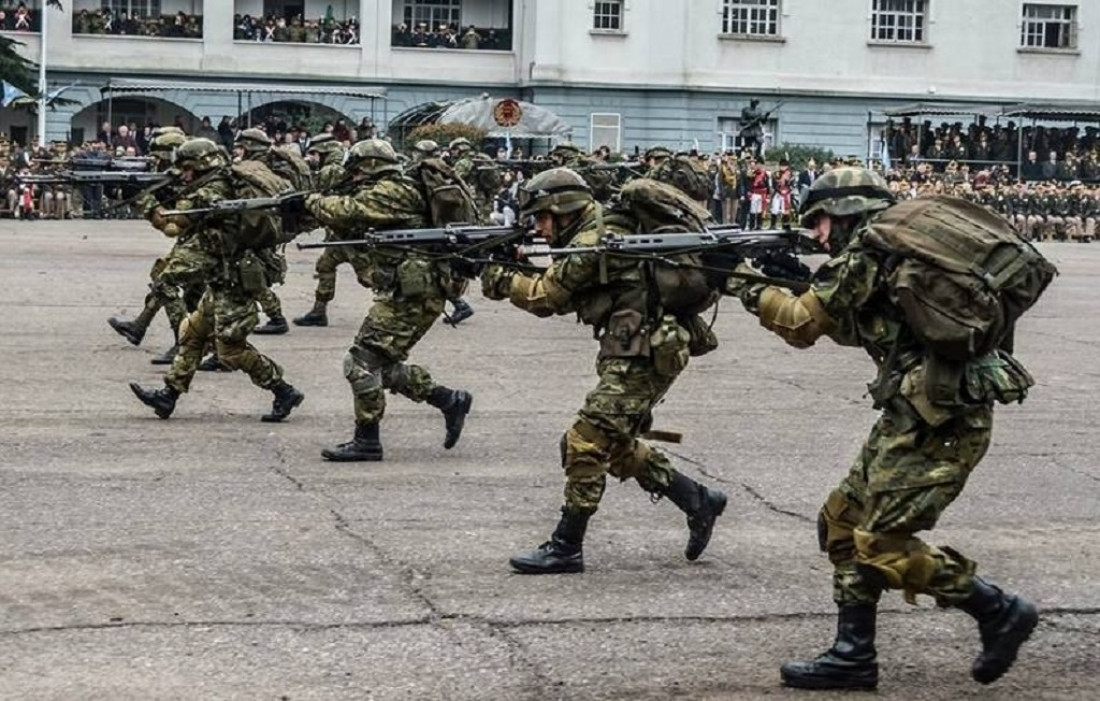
(178, 26)
(451, 36)
(1049, 153)
(17, 17)
(296, 30)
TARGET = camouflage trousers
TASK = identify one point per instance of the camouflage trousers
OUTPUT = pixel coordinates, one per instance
(376, 362)
(325, 270)
(904, 478)
(603, 439)
(185, 268)
(269, 302)
(227, 317)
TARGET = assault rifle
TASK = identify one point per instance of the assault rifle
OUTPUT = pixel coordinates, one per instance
(760, 119)
(774, 252)
(454, 240)
(288, 200)
(89, 177)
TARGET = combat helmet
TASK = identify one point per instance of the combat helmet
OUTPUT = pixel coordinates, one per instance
(327, 147)
(372, 156)
(201, 155)
(657, 152)
(253, 141)
(161, 131)
(844, 192)
(557, 190)
(425, 148)
(460, 145)
(163, 146)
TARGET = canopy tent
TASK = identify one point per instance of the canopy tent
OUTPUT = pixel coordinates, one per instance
(1063, 112)
(243, 89)
(921, 109)
(501, 118)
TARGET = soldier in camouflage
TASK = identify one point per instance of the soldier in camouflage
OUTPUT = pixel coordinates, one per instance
(426, 149)
(610, 294)
(327, 155)
(409, 293)
(226, 314)
(185, 266)
(255, 145)
(915, 461)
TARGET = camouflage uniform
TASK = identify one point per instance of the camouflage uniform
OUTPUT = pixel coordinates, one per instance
(915, 461)
(226, 314)
(611, 294)
(409, 295)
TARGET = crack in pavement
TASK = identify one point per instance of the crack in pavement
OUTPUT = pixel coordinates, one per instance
(1057, 460)
(281, 470)
(519, 655)
(749, 489)
(502, 625)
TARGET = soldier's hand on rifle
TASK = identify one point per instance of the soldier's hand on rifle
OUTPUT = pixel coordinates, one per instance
(736, 286)
(294, 206)
(721, 259)
(783, 265)
(496, 281)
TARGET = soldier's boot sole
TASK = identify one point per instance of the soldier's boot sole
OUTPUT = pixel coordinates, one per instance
(702, 526)
(311, 319)
(353, 452)
(830, 673)
(128, 330)
(543, 560)
(455, 417)
(162, 405)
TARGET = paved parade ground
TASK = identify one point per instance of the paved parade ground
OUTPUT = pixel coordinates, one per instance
(212, 556)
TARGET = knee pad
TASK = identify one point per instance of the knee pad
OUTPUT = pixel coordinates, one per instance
(905, 562)
(395, 376)
(835, 522)
(359, 374)
(584, 442)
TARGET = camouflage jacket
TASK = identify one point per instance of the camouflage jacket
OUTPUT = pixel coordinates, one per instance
(593, 285)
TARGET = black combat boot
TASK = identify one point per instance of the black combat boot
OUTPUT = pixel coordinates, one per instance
(276, 324)
(849, 663)
(1004, 623)
(314, 317)
(702, 505)
(462, 311)
(163, 400)
(562, 554)
(211, 364)
(167, 356)
(286, 398)
(133, 331)
(455, 404)
(364, 446)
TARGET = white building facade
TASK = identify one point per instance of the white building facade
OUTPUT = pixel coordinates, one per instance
(628, 73)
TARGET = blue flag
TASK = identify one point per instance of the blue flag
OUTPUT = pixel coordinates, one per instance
(11, 93)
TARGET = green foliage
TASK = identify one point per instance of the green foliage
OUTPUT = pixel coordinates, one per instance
(799, 154)
(443, 134)
(15, 69)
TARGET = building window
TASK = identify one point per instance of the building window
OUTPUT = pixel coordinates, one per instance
(433, 13)
(750, 17)
(605, 130)
(607, 16)
(1049, 27)
(899, 21)
(141, 8)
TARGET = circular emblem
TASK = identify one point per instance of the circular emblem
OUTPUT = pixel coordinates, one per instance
(507, 112)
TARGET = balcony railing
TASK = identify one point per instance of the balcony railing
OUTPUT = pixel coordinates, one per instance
(103, 23)
(272, 30)
(450, 37)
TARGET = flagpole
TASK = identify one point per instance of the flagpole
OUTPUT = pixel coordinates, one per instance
(42, 75)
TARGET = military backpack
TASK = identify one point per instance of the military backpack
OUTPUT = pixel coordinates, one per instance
(657, 207)
(258, 228)
(686, 174)
(959, 273)
(449, 199)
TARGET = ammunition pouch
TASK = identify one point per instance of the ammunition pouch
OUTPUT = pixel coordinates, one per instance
(668, 345)
(252, 273)
(416, 279)
(626, 336)
(703, 338)
(996, 377)
(275, 266)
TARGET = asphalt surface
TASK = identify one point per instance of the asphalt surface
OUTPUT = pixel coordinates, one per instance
(212, 556)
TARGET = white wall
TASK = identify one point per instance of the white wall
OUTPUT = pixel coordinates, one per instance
(824, 48)
(482, 13)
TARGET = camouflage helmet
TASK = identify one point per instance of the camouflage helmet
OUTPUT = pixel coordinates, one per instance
(566, 149)
(372, 156)
(557, 190)
(425, 148)
(253, 141)
(201, 155)
(324, 143)
(843, 192)
(460, 145)
(657, 152)
(161, 131)
(163, 145)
